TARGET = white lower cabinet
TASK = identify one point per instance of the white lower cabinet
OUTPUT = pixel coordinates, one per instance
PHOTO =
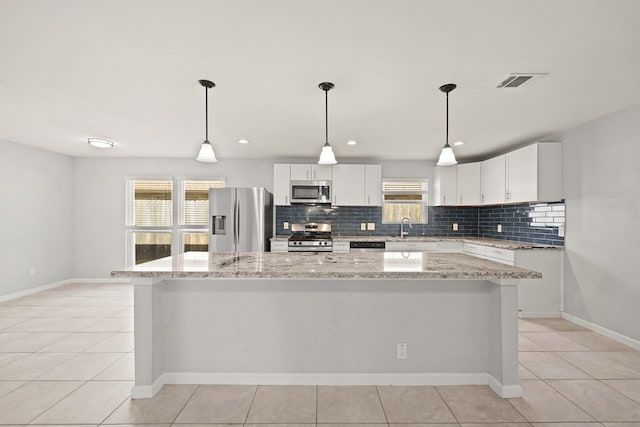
(411, 246)
(341, 246)
(279, 246)
(536, 297)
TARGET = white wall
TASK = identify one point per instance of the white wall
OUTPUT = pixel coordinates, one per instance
(601, 175)
(99, 202)
(36, 189)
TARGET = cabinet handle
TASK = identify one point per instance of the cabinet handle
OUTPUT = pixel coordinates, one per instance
(460, 199)
(444, 200)
(286, 199)
(307, 173)
(483, 198)
(368, 200)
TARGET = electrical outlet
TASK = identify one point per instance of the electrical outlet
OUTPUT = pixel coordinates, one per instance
(499, 228)
(285, 225)
(363, 226)
(560, 231)
(32, 271)
(401, 351)
(371, 226)
(455, 226)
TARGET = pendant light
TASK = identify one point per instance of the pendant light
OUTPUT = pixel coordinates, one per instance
(326, 155)
(447, 158)
(206, 153)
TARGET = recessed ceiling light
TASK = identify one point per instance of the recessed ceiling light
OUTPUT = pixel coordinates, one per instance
(458, 143)
(100, 143)
(352, 142)
(243, 141)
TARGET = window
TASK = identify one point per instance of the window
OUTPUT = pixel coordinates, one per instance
(404, 198)
(158, 224)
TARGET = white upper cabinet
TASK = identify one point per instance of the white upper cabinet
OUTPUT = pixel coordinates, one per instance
(493, 178)
(468, 184)
(445, 185)
(281, 184)
(534, 173)
(302, 172)
(348, 185)
(373, 185)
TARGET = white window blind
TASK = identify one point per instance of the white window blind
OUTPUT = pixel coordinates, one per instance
(196, 201)
(404, 199)
(150, 203)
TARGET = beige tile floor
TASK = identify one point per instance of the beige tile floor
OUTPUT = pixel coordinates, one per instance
(66, 358)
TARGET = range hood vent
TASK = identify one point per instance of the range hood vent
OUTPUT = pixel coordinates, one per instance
(520, 79)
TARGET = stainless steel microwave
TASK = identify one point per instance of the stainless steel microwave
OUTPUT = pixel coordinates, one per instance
(310, 191)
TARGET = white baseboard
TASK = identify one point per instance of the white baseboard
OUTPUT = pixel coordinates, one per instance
(623, 339)
(505, 391)
(539, 314)
(479, 378)
(325, 379)
(31, 291)
(147, 391)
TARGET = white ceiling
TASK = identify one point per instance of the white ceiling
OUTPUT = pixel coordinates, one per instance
(127, 71)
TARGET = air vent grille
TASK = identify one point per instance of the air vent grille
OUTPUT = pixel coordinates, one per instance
(519, 79)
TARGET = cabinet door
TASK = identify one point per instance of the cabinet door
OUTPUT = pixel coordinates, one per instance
(522, 174)
(444, 185)
(348, 185)
(281, 184)
(493, 180)
(321, 172)
(469, 184)
(373, 185)
(300, 172)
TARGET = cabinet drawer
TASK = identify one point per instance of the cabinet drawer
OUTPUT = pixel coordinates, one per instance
(341, 247)
(411, 246)
(501, 254)
(474, 249)
(279, 246)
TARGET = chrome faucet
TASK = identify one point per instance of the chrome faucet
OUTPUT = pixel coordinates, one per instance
(404, 221)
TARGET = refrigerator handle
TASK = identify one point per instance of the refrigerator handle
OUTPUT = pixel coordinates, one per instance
(238, 226)
(235, 225)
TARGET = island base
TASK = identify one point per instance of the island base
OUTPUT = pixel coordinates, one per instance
(325, 332)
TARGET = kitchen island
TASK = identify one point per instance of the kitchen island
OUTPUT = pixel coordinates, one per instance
(325, 318)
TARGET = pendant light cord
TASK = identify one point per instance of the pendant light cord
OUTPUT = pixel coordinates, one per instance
(326, 116)
(447, 140)
(206, 113)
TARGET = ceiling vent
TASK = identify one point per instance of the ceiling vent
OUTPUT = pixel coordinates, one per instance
(520, 79)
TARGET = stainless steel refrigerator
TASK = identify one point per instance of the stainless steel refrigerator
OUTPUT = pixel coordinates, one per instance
(241, 219)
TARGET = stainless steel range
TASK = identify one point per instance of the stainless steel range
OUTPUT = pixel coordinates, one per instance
(311, 237)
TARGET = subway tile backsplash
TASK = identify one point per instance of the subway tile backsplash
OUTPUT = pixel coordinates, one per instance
(518, 221)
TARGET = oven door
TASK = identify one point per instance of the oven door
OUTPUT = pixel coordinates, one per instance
(310, 191)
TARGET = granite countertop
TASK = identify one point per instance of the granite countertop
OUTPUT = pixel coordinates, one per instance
(496, 243)
(305, 265)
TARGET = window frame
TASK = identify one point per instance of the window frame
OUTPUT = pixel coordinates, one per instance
(177, 229)
(424, 202)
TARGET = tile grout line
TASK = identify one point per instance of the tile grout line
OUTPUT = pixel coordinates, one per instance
(447, 405)
(56, 402)
(196, 388)
(114, 409)
(251, 405)
(567, 397)
(384, 412)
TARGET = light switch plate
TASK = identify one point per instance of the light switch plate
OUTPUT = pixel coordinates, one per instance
(455, 226)
(285, 225)
(560, 231)
(371, 226)
(499, 228)
(401, 351)
(363, 226)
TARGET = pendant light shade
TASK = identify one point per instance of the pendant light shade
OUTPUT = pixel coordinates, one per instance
(326, 155)
(206, 153)
(447, 158)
